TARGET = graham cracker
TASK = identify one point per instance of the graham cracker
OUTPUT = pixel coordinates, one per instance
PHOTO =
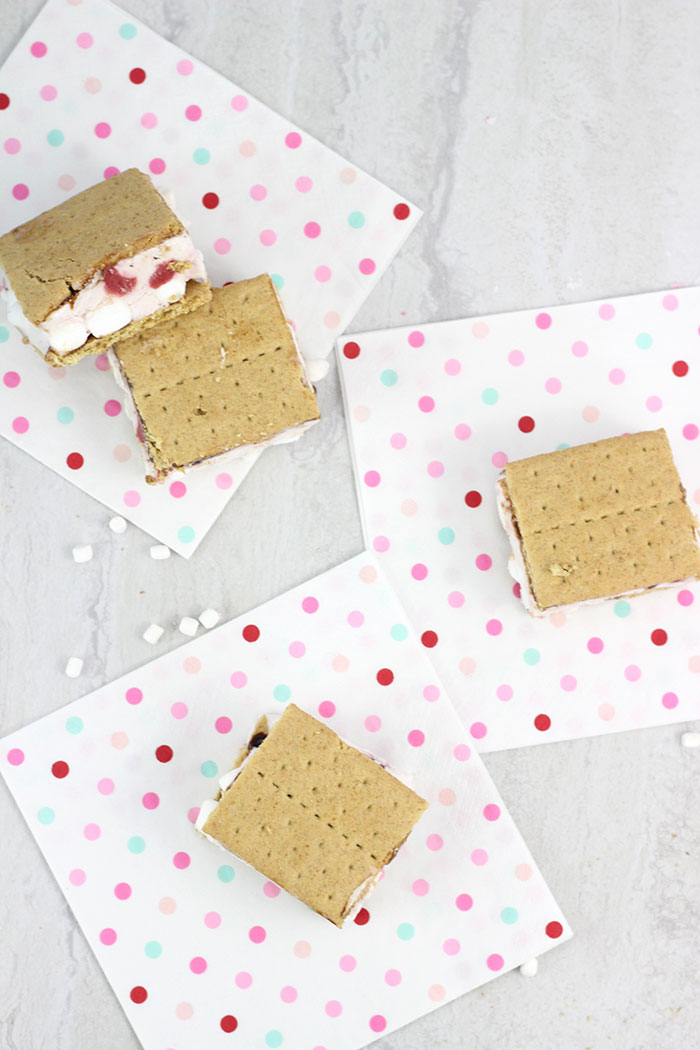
(56, 253)
(222, 377)
(602, 519)
(315, 815)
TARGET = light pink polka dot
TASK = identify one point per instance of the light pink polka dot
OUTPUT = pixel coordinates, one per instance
(302, 949)
(616, 376)
(179, 710)
(606, 712)
(483, 562)
(392, 978)
(685, 598)
(436, 469)
(451, 946)
(409, 507)
(184, 1011)
(499, 459)
(356, 618)
(340, 663)
(431, 693)
(239, 679)
(92, 832)
(416, 738)
(523, 872)
(464, 902)
(669, 302)
(303, 184)
(447, 797)
(694, 664)
(108, 936)
(452, 367)
(166, 905)
(322, 274)
(288, 994)
(132, 498)
(268, 237)
(247, 149)
(77, 877)
(494, 627)
(590, 413)
(479, 857)
(223, 481)
(105, 786)
(326, 709)
(122, 453)
(434, 842)
(191, 665)
(462, 752)
(239, 103)
(553, 385)
(419, 571)
(492, 811)
(478, 730)
(398, 441)
(192, 814)
(334, 1008)
(258, 192)
(367, 266)
(297, 650)
(271, 890)
(12, 146)
(690, 431)
(495, 962)
(293, 140)
(184, 67)
(654, 403)
(181, 860)
(347, 963)
(84, 40)
(92, 85)
(504, 692)
(633, 673)
(568, 683)
(348, 176)
(331, 319)
(222, 246)
(516, 358)
(150, 801)
(606, 312)
(579, 348)
(243, 979)
(48, 93)
(373, 723)
(480, 329)
(420, 887)
(436, 993)
(467, 666)
(193, 113)
(66, 182)
(119, 740)
(149, 120)
(543, 321)
(462, 431)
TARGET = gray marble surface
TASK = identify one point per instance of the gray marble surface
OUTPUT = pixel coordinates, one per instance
(553, 145)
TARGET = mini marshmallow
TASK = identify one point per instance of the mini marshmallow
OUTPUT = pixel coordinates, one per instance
(188, 625)
(108, 318)
(74, 667)
(117, 524)
(690, 740)
(530, 968)
(69, 336)
(209, 618)
(159, 552)
(317, 369)
(81, 554)
(153, 634)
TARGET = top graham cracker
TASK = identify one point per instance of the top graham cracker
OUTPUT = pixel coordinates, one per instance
(56, 253)
(225, 375)
(313, 814)
(602, 519)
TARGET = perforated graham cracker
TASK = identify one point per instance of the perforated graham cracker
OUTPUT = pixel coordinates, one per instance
(602, 519)
(225, 376)
(54, 254)
(315, 815)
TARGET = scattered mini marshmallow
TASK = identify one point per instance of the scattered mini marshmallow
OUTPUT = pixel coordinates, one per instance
(74, 667)
(81, 554)
(117, 524)
(209, 618)
(530, 968)
(188, 625)
(317, 369)
(159, 552)
(153, 633)
(690, 740)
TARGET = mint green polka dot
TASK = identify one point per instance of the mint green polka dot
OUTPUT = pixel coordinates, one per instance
(509, 916)
(209, 768)
(560, 448)
(446, 536)
(153, 949)
(389, 377)
(622, 609)
(489, 396)
(531, 657)
(644, 340)
(273, 1038)
(185, 534)
(201, 156)
(74, 725)
(277, 279)
(399, 632)
(45, 815)
(4, 333)
(127, 31)
(282, 693)
(65, 415)
(136, 844)
(55, 137)
(405, 931)
(226, 873)
(356, 219)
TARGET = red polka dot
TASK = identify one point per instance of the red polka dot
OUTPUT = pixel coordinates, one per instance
(4, 100)
(60, 770)
(164, 753)
(526, 424)
(351, 350)
(543, 722)
(473, 498)
(659, 636)
(75, 461)
(554, 930)
(429, 639)
(362, 917)
(680, 368)
(251, 633)
(138, 994)
(402, 211)
(137, 75)
(210, 200)
(228, 1023)
(385, 676)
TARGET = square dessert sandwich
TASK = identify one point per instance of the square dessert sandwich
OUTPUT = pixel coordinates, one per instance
(603, 520)
(220, 381)
(313, 814)
(99, 267)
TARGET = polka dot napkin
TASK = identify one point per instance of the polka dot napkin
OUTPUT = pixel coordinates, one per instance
(200, 949)
(435, 412)
(89, 91)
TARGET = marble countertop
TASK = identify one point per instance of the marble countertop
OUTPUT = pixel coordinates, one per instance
(554, 148)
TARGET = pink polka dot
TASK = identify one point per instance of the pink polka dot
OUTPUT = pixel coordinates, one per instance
(322, 274)
(243, 979)
(356, 618)
(494, 627)
(392, 978)
(105, 786)
(15, 756)
(38, 49)
(347, 963)
(48, 93)
(77, 877)
(268, 237)
(462, 752)
(131, 498)
(178, 489)
(11, 379)
(133, 695)
(523, 872)
(192, 814)
(479, 857)
(416, 339)
(239, 679)
(198, 964)
(419, 571)
(150, 801)
(257, 934)
(451, 946)
(367, 266)
(181, 860)
(495, 962)
(690, 431)
(239, 103)
(452, 367)
(310, 604)
(312, 229)
(293, 140)
(222, 246)
(685, 598)
(179, 710)
(149, 120)
(553, 385)
(478, 730)
(436, 469)
(616, 376)
(431, 693)
(157, 166)
(223, 724)
(595, 645)
(606, 712)
(101, 363)
(543, 321)
(568, 683)
(326, 709)
(654, 403)
(304, 184)
(271, 890)
(499, 459)
(84, 40)
(416, 738)
(184, 67)
(223, 481)
(193, 113)
(590, 413)
(103, 130)
(434, 842)
(373, 723)
(112, 407)
(420, 887)
(398, 441)
(110, 172)
(426, 404)
(288, 994)
(633, 673)
(464, 902)
(372, 479)
(334, 1008)
(492, 811)
(669, 302)
(377, 1023)
(20, 191)
(504, 692)
(108, 936)
(462, 431)
(12, 146)
(516, 358)
(579, 348)
(483, 562)
(669, 700)
(297, 650)
(122, 891)
(447, 797)
(606, 312)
